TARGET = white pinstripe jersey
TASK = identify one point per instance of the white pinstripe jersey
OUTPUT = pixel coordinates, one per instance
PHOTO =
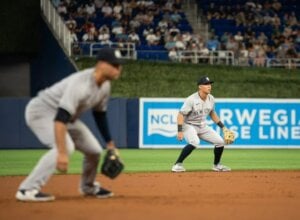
(77, 93)
(195, 110)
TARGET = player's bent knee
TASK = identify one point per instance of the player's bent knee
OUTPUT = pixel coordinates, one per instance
(219, 145)
(194, 143)
(93, 157)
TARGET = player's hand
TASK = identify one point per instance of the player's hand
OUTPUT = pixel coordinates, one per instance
(62, 162)
(111, 145)
(180, 136)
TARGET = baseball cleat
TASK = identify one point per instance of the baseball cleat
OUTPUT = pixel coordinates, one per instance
(221, 168)
(104, 193)
(99, 192)
(178, 167)
(33, 196)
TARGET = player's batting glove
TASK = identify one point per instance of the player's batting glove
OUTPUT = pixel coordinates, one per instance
(228, 135)
(112, 165)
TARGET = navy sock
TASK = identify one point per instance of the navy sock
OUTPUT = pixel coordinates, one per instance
(218, 151)
(185, 152)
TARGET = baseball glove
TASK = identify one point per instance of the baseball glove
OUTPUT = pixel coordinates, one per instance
(228, 136)
(112, 165)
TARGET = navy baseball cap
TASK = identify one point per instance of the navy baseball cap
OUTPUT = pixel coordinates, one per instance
(110, 55)
(204, 81)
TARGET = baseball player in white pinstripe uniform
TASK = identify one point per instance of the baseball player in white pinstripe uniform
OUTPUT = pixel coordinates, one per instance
(53, 116)
(191, 122)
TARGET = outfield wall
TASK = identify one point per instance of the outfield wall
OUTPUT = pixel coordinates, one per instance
(14, 133)
(151, 123)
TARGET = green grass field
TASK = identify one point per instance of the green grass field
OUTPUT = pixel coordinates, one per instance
(20, 162)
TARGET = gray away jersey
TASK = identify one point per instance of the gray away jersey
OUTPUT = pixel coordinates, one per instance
(77, 93)
(195, 110)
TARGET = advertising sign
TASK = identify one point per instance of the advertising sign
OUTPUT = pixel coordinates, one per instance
(257, 123)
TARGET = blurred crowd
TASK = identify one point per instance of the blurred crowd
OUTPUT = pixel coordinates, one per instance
(133, 21)
(257, 30)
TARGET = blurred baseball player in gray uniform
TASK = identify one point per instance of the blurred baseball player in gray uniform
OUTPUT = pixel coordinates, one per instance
(53, 118)
(191, 122)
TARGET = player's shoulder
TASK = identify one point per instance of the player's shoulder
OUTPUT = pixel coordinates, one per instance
(82, 74)
(193, 96)
(106, 86)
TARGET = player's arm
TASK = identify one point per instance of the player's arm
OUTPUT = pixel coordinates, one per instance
(60, 129)
(185, 110)
(102, 124)
(180, 121)
(214, 117)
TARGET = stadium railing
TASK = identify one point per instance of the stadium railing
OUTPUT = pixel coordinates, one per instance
(290, 63)
(212, 57)
(90, 49)
(57, 24)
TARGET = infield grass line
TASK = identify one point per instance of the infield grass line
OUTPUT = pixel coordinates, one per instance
(21, 162)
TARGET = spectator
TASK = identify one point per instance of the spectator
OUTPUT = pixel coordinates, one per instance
(133, 37)
(163, 24)
(260, 58)
(74, 38)
(117, 10)
(62, 9)
(173, 31)
(168, 7)
(81, 12)
(233, 46)
(173, 56)
(160, 38)
(213, 43)
(71, 23)
(151, 38)
(104, 35)
(186, 37)
(107, 10)
(89, 37)
(170, 44)
(122, 36)
(179, 43)
(276, 5)
(147, 30)
(98, 4)
(251, 56)
(243, 54)
(90, 9)
(117, 29)
(134, 24)
(88, 26)
(262, 38)
(175, 17)
(148, 18)
(238, 37)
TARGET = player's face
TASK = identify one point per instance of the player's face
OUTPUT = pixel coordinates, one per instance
(109, 71)
(114, 71)
(206, 88)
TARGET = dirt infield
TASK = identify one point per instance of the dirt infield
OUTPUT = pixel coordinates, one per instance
(169, 196)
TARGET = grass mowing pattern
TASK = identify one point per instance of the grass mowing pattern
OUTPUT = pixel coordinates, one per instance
(21, 162)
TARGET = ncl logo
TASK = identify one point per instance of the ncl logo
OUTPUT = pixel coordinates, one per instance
(162, 122)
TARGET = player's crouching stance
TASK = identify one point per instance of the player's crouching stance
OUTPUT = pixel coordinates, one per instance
(191, 122)
(53, 116)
